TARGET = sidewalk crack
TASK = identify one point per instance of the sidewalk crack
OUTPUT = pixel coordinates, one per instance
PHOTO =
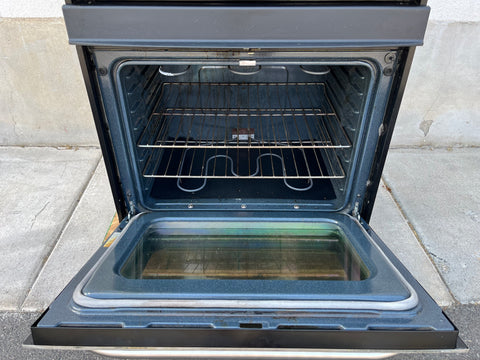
(414, 231)
(37, 214)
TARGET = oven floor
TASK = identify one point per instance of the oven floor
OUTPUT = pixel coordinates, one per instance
(167, 189)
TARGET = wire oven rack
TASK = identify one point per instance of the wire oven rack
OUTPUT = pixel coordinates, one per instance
(243, 130)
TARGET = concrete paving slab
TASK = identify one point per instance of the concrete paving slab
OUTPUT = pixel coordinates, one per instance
(40, 188)
(81, 237)
(438, 191)
(389, 223)
(14, 329)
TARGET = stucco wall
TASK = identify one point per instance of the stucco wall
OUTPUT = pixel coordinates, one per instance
(43, 100)
(42, 96)
(31, 9)
(442, 10)
(455, 10)
(441, 106)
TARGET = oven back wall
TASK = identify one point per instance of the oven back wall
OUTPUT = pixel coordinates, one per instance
(43, 100)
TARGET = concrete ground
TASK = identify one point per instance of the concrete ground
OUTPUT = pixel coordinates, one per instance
(57, 206)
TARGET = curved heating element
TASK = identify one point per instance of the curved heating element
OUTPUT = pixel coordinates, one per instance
(257, 171)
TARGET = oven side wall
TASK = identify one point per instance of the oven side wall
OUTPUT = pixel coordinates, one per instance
(101, 124)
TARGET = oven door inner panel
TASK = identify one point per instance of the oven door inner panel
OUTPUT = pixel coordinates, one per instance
(324, 254)
(220, 262)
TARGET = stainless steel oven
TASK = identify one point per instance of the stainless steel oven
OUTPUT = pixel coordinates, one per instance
(244, 144)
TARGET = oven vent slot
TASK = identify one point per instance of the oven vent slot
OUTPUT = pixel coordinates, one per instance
(399, 328)
(180, 326)
(92, 325)
(310, 327)
(250, 325)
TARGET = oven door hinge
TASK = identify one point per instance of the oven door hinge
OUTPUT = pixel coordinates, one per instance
(131, 210)
(356, 210)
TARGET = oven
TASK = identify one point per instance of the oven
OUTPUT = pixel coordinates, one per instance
(244, 144)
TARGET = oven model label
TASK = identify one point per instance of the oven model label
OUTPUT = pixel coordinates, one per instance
(247, 63)
(243, 134)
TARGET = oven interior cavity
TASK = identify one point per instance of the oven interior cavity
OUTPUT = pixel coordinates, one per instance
(280, 132)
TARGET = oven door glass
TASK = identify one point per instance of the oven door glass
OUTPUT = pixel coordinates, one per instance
(324, 254)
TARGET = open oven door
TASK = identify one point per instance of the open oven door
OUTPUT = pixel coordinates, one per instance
(171, 286)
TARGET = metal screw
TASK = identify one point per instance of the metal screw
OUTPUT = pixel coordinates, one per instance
(296, 207)
(102, 71)
(390, 58)
(243, 206)
(190, 206)
(388, 71)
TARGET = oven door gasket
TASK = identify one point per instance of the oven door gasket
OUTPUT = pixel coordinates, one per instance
(93, 291)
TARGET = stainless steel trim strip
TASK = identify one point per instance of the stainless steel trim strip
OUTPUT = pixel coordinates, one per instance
(215, 353)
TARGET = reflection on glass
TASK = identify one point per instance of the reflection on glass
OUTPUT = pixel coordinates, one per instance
(324, 255)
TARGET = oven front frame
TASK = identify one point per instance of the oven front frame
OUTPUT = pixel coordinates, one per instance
(107, 62)
(122, 205)
(391, 27)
